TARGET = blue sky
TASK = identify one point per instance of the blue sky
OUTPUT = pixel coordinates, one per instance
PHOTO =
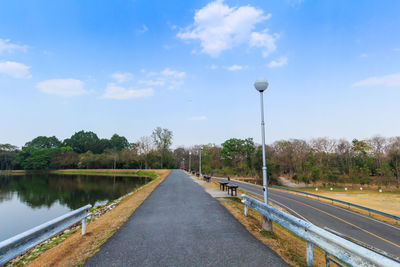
(127, 67)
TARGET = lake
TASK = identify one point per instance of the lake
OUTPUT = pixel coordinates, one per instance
(29, 200)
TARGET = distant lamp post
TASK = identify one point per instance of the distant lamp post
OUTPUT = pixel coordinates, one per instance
(200, 162)
(190, 157)
(261, 85)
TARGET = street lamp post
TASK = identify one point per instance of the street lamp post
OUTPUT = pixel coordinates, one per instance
(190, 157)
(200, 163)
(261, 85)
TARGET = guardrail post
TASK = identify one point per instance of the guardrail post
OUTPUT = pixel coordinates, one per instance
(310, 254)
(246, 210)
(327, 261)
(84, 223)
(83, 226)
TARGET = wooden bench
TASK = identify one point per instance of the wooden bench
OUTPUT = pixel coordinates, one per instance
(232, 187)
(207, 178)
(222, 185)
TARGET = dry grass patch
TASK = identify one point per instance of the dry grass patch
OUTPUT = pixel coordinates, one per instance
(76, 249)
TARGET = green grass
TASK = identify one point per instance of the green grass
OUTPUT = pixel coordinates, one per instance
(149, 174)
(93, 172)
(39, 250)
(268, 234)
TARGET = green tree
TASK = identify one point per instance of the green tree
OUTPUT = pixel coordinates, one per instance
(82, 141)
(394, 162)
(119, 142)
(315, 175)
(43, 142)
(8, 154)
(162, 139)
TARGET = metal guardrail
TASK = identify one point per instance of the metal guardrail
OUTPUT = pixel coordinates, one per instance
(333, 245)
(396, 218)
(20, 243)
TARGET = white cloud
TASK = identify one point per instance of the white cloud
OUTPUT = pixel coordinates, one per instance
(7, 46)
(169, 78)
(219, 27)
(173, 73)
(15, 69)
(152, 82)
(200, 118)
(122, 77)
(143, 29)
(363, 55)
(391, 80)
(114, 91)
(235, 67)
(397, 49)
(62, 87)
(280, 62)
(265, 41)
(213, 67)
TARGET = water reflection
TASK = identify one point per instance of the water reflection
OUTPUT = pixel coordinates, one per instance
(32, 199)
(73, 191)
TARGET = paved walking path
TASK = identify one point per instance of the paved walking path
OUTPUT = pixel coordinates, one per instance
(179, 224)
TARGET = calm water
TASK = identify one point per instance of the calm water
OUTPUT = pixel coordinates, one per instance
(32, 199)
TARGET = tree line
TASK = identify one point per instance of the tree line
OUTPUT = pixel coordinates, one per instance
(324, 160)
(85, 150)
(375, 160)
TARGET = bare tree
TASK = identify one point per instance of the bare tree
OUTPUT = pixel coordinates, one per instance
(144, 146)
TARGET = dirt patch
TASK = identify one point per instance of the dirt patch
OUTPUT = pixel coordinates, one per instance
(76, 249)
(287, 182)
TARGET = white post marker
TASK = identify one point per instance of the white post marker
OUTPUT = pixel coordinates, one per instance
(190, 157)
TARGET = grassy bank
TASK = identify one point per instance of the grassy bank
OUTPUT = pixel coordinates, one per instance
(13, 172)
(116, 172)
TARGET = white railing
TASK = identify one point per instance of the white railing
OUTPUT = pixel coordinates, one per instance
(20, 243)
(333, 245)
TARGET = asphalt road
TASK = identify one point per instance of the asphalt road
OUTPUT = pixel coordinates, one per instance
(356, 226)
(179, 224)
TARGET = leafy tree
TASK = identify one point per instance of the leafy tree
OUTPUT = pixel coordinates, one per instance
(162, 139)
(315, 175)
(82, 141)
(39, 159)
(394, 162)
(8, 154)
(232, 149)
(119, 142)
(43, 142)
